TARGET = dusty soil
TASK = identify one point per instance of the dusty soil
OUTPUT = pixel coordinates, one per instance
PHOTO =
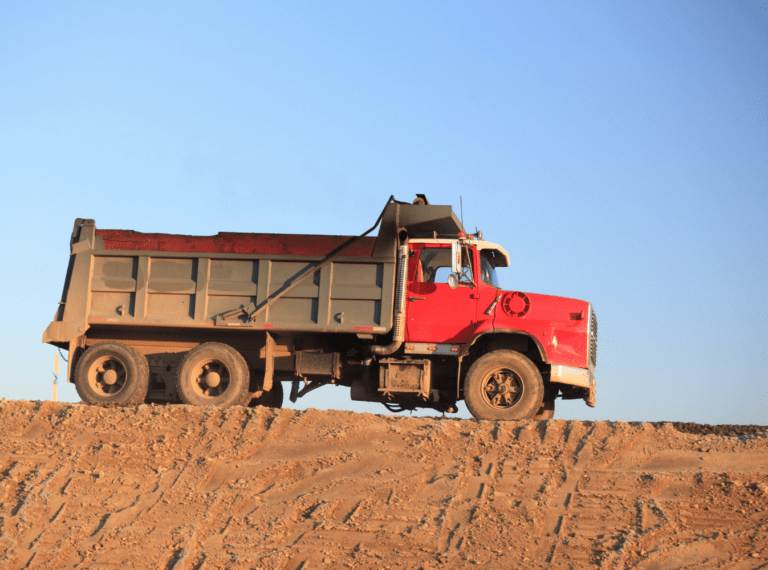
(200, 488)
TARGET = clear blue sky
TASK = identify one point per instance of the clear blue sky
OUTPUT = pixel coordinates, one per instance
(618, 150)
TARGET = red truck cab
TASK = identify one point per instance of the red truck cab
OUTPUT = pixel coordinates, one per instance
(454, 301)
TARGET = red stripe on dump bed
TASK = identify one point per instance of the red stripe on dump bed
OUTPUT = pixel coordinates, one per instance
(228, 242)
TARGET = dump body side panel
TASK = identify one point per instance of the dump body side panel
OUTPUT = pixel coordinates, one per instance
(193, 280)
(345, 296)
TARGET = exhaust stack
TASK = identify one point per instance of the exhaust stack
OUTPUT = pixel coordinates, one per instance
(398, 335)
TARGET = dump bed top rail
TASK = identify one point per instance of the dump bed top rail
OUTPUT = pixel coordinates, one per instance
(237, 243)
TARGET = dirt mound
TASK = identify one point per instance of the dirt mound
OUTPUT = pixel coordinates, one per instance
(200, 488)
(724, 429)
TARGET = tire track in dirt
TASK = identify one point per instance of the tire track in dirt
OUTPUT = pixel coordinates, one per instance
(565, 472)
(196, 488)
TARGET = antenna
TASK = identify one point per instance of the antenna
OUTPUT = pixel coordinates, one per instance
(461, 205)
(477, 199)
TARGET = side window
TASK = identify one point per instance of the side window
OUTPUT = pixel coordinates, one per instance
(435, 265)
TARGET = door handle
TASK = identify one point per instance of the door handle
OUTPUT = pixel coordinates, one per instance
(493, 305)
(417, 298)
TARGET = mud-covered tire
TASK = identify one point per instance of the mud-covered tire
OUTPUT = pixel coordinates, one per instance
(271, 399)
(213, 374)
(112, 373)
(503, 385)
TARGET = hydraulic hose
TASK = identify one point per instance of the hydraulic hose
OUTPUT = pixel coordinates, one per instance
(312, 269)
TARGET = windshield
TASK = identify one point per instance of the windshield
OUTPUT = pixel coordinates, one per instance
(488, 271)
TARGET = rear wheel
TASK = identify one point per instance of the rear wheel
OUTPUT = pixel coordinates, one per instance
(112, 373)
(503, 385)
(213, 374)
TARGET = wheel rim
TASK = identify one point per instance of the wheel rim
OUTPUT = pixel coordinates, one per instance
(210, 378)
(502, 388)
(107, 376)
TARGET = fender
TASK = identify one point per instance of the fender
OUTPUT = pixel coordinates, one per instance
(486, 328)
(481, 331)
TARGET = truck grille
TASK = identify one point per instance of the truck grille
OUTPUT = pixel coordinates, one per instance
(593, 337)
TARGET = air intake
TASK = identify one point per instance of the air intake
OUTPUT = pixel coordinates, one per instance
(515, 304)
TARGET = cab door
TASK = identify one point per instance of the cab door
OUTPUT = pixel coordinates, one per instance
(435, 313)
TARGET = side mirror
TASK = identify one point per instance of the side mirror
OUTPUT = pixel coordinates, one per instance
(456, 258)
(453, 280)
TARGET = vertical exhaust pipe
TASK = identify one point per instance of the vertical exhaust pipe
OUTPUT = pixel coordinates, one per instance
(398, 334)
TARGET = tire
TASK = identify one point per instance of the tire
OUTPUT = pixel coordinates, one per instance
(503, 385)
(271, 399)
(112, 373)
(213, 374)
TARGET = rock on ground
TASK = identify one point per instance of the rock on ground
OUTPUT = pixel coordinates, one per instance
(200, 488)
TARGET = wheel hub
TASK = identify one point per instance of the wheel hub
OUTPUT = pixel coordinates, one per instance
(212, 379)
(502, 388)
(109, 377)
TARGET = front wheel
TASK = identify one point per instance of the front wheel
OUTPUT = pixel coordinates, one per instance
(213, 374)
(503, 385)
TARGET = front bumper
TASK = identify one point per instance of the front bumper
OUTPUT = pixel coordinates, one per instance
(581, 377)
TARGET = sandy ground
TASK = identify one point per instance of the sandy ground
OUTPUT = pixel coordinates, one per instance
(200, 488)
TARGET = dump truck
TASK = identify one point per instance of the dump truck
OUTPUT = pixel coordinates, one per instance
(411, 318)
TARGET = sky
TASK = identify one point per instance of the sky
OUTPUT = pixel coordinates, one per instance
(618, 151)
